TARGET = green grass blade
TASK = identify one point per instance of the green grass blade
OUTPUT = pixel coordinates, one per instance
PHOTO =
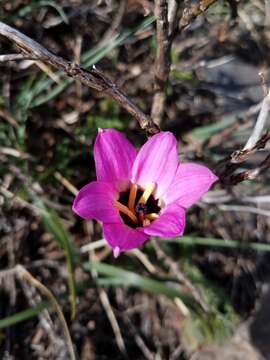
(55, 91)
(23, 315)
(25, 10)
(56, 228)
(123, 277)
(90, 58)
(194, 240)
(206, 131)
(94, 55)
(35, 310)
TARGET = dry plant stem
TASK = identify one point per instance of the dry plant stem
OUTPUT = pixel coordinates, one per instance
(249, 209)
(8, 117)
(45, 318)
(190, 13)
(148, 355)
(116, 21)
(93, 246)
(66, 183)
(92, 78)
(112, 318)
(250, 174)
(162, 63)
(238, 157)
(13, 57)
(12, 197)
(144, 260)
(166, 30)
(23, 273)
(260, 124)
(165, 24)
(255, 142)
(108, 309)
(242, 155)
(178, 273)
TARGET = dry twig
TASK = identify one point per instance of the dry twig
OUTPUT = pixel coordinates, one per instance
(248, 209)
(250, 174)
(104, 299)
(255, 142)
(9, 118)
(148, 355)
(174, 268)
(257, 132)
(166, 23)
(190, 13)
(165, 19)
(23, 275)
(93, 78)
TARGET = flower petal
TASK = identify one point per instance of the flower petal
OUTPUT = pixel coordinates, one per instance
(123, 237)
(114, 157)
(190, 183)
(95, 201)
(156, 162)
(171, 222)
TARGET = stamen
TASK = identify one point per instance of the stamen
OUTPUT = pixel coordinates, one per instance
(132, 197)
(125, 210)
(152, 216)
(146, 222)
(147, 193)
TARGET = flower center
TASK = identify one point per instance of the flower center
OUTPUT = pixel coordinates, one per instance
(138, 207)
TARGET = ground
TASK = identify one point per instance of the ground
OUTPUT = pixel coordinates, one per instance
(203, 296)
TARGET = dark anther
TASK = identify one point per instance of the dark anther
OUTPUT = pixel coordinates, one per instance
(141, 210)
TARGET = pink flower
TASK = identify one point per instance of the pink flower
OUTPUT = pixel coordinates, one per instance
(140, 194)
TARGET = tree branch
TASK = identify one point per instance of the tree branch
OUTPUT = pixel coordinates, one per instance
(165, 12)
(166, 28)
(190, 13)
(93, 78)
(255, 142)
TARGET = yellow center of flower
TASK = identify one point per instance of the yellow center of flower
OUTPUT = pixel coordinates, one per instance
(138, 207)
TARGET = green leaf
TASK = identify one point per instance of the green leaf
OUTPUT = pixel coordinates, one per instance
(90, 58)
(36, 310)
(194, 240)
(54, 225)
(118, 276)
(34, 5)
(206, 131)
(94, 55)
(23, 315)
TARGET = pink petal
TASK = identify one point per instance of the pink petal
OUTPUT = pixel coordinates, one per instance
(156, 162)
(190, 183)
(122, 237)
(95, 201)
(116, 251)
(114, 157)
(171, 222)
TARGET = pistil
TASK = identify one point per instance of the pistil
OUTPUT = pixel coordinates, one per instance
(125, 210)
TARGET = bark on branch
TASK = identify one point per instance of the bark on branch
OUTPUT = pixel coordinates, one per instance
(190, 13)
(166, 13)
(93, 78)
